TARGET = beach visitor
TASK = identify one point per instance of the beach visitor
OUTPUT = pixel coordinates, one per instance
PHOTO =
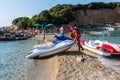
(35, 32)
(44, 28)
(76, 34)
(61, 34)
(70, 28)
(38, 31)
(61, 31)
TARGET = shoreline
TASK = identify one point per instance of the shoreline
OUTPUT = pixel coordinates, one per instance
(72, 68)
(68, 66)
(43, 69)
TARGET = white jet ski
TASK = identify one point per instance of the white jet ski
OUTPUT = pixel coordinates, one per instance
(58, 45)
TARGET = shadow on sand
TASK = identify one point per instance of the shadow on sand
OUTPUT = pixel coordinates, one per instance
(113, 57)
(71, 53)
(65, 53)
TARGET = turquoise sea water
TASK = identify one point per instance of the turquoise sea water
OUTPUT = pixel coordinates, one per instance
(13, 64)
(112, 38)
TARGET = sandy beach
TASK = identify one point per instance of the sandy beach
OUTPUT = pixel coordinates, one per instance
(43, 69)
(72, 68)
(68, 66)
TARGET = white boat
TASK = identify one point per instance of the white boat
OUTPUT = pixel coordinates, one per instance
(99, 33)
(109, 28)
(94, 46)
(58, 45)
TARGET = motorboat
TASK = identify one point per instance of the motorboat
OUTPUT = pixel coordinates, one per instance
(99, 33)
(109, 28)
(59, 44)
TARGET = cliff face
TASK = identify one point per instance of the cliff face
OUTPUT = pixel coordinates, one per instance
(99, 16)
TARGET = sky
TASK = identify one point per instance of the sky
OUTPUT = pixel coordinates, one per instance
(12, 9)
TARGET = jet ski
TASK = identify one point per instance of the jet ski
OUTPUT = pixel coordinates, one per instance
(59, 44)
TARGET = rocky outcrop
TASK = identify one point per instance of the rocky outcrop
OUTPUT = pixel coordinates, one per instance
(98, 16)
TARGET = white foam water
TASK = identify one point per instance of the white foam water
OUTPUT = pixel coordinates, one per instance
(112, 63)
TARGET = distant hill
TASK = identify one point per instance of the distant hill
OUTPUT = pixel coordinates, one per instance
(91, 13)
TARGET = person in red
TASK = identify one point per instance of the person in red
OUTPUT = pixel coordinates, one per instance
(76, 36)
(70, 29)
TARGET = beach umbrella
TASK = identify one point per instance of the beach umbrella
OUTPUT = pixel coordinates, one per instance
(37, 24)
(50, 25)
(44, 26)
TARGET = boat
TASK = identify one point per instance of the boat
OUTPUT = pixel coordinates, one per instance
(99, 33)
(109, 28)
(59, 44)
(94, 47)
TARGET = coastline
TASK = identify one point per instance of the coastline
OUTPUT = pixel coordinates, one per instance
(68, 66)
(43, 69)
(72, 68)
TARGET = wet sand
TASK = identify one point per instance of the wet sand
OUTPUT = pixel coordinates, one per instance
(43, 69)
(68, 66)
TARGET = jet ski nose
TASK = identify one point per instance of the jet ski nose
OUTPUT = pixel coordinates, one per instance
(29, 52)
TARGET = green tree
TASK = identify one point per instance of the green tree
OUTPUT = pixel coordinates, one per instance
(44, 16)
(62, 13)
(21, 22)
(118, 6)
(35, 19)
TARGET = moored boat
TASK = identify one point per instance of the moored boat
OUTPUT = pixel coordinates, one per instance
(99, 33)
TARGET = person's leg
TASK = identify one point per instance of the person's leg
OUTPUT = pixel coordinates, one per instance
(81, 47)
(82, 54)
(78, 47)
(43, 39)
